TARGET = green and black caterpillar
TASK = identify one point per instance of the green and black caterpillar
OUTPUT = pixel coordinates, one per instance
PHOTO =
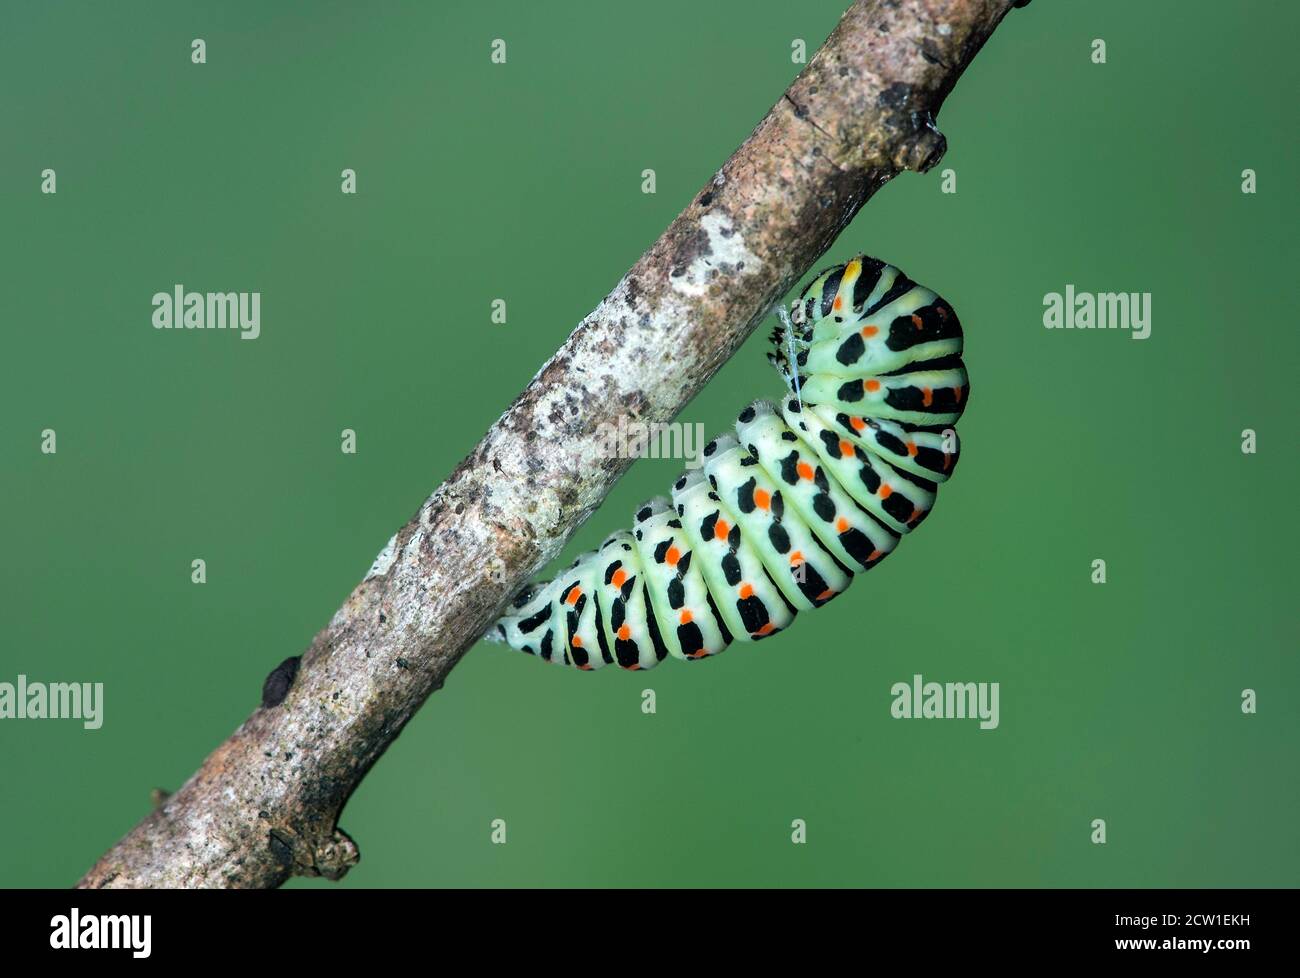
(786, 511)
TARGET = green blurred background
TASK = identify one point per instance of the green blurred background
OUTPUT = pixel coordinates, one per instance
(522, 181)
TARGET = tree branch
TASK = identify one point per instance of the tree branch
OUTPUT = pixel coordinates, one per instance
(264, 805)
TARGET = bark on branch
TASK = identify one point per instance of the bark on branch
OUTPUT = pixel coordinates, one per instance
(265, 804)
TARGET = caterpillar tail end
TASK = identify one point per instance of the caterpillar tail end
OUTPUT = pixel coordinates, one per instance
(499, 631)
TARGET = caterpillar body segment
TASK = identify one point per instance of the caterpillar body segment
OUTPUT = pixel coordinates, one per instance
(620, 591)
(784, 513)
(748, 600)
(841, 526)
(689, 621)
(897, 498)
(802, 568)
(923, 397)
(928, 452)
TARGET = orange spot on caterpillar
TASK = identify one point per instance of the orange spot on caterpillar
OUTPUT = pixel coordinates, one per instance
(841, 525)
(765, 630)
(672, 556)
(805, 471)
(838, 304)
(957, 393)
(746, 591)
(796, 558)
(828, 593)
(625, 632)
(911, 448)
(698, 654)
(869, 331)
(721, 529)
(619, 577)
(857, 423)
(871, 385)
(845, 449)
(885, 491)
(686, 616)
(916, 321)
(633, 667)
(916, 515)
(574, 595)
(947, 461)
(927, 396)
(874, 555)
(577, 642)
(762, 498)
(586, 667)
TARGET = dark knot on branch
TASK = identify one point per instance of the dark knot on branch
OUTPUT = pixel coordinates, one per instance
(330, 857)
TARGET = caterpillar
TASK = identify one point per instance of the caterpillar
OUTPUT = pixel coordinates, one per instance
(786, 511)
